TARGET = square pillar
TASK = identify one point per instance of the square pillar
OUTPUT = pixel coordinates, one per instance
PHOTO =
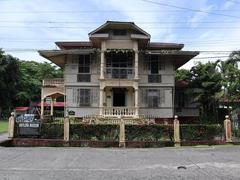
(228, 129)
(176, 129)
(42, 108)
(11, 124)
(102, 65)
(51, 113)
(122, 133)
(66, 129)
(101, 102)
(136, 65)
(136, 102)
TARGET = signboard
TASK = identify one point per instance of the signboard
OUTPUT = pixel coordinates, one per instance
(28, 125)
(71, 113)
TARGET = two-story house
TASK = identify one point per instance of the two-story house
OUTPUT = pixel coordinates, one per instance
(118, 72)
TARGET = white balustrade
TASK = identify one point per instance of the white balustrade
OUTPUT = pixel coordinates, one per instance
(119, 111)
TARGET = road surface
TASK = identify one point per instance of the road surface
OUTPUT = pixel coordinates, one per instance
(41, 163)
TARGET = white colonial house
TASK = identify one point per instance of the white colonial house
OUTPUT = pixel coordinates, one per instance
(118, 72)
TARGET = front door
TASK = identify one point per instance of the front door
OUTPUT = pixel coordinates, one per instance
(119, 96)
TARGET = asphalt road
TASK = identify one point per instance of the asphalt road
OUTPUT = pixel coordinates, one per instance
(93, 163)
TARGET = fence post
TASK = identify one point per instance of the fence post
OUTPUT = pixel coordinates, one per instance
(122, 133)
(228, 129)
(176, 129)
(66, 128)
(11, 124)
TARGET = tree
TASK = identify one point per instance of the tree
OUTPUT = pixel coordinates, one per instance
(183, 75)
(32, 74)
(9, 81)
(230, 78)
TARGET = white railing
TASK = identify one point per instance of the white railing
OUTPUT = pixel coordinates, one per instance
(119, 72)
(53, 82)
(119, 111)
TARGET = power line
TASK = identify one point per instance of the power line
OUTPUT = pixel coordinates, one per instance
(211, 57)
(180, 10)
(236, 2)
(93, 27)
(30, 49)
(98, 22)
(190, 9)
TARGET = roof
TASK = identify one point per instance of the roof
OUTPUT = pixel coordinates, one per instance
(181, 84)
(178, 57)
(119, 24)
(21, 108)
(55, 104)
(160, 45)
(58, 56)
(74, 44)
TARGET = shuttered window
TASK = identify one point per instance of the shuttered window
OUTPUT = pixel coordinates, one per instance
(152, 98)
(84, 69)
(83, 97)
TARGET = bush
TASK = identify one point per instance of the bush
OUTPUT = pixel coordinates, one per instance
(198, 132)
(149, 133)
(94, 132)
(52, 130)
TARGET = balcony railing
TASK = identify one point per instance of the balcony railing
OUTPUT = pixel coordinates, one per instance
(119, 73)
(53, 82)
(119, 111)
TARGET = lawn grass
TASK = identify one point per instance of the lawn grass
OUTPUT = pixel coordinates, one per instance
(3, 126)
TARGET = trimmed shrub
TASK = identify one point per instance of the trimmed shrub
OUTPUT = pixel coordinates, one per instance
(94, 132)
(149, 133)
(52, 130)
(201, 132)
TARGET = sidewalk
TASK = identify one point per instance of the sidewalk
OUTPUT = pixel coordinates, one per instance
(3, 137)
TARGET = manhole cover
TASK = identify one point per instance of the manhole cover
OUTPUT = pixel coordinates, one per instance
(181, 167)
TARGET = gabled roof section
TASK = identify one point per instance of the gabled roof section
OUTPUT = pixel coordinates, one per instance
(119, 24)
(160, 46)
(74, 44)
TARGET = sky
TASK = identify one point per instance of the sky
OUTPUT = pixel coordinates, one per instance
(209, 26)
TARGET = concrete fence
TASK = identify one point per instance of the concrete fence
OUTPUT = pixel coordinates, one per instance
(176, 126)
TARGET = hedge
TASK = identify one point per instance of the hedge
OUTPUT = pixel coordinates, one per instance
(94, 132)
(149, 133)
(52, 130)
(200, 132)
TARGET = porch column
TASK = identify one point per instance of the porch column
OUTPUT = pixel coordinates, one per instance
(51, 113)
(101, 101)
(136, 101)
(42, 107)
(136, 65)
(102, 65)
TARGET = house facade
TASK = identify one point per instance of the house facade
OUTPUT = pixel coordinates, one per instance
(118, 72)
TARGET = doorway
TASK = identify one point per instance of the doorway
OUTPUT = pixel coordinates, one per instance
(119, 97)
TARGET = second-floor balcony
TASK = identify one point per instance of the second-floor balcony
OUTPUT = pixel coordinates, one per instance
(53, 82)
(118, 73)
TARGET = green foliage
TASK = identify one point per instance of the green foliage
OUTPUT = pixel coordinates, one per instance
(198, 132)
(94, 132)
(20, 81)
(32, 74)
(149, 133)
(9, 81)
(183, 74)
(52, 130)
(204, 85)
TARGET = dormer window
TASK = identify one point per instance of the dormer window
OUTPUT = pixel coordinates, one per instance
(119, 32)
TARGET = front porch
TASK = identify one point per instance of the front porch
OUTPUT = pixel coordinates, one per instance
(119, 102)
